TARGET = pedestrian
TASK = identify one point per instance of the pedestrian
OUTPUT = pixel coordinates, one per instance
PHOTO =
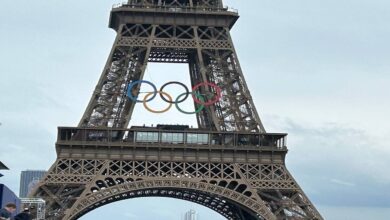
(25, 215)
(6, 212)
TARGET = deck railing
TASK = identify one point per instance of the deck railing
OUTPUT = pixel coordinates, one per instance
(157, 136)
(172, 8)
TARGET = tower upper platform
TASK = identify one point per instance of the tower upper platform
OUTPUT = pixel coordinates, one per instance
(195, 15)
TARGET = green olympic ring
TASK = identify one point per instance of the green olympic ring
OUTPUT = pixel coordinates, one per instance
(197, 95)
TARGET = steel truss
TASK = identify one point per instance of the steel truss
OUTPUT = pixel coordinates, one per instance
(253, 184)
(259, 191)
(211, 57)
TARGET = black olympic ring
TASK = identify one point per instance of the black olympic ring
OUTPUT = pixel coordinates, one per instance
(176, 101)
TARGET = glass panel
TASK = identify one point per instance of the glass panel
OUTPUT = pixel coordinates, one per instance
(197, 138)
(248, 139)
(146, 137)
(116, 135)
(129, 136)
(96, 135)
(79, 135)
(175, 138)
(65, 134)
(228, 139)
(243, 140)
(216, 139)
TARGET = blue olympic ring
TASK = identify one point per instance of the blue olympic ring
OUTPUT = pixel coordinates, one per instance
(135, 98)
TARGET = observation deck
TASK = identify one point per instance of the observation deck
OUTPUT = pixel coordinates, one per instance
(128, 13)
(166, 144)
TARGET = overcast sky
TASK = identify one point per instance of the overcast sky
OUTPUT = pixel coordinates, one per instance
(318, 70)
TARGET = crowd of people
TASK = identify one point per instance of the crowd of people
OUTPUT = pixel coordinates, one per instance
(10, 208)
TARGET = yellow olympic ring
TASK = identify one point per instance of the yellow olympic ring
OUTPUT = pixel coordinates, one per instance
(154, 111)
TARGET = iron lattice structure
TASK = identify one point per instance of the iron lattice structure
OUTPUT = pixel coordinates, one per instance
(238, 170)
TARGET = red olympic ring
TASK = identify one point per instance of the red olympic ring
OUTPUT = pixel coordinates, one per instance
(218, 91)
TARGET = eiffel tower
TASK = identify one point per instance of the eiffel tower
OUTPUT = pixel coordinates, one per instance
(228, 163)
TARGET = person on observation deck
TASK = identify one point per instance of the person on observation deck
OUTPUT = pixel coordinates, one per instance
(6, 212)
(25, 215)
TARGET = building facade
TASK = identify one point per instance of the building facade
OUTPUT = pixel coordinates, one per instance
(190, 215)
(28, 180)
(7, 196)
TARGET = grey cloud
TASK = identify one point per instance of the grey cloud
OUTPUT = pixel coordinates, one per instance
(337, 165)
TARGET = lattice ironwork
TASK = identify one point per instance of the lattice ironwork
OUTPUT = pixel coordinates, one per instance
(239, 172)
(260, 188)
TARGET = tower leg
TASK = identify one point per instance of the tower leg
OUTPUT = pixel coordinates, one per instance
(109, 105)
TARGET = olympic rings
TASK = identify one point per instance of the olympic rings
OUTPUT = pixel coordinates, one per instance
(177, 100)
(213, 101)
(135, 99)
(189, 113)
(155, 111)
(216, 95)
